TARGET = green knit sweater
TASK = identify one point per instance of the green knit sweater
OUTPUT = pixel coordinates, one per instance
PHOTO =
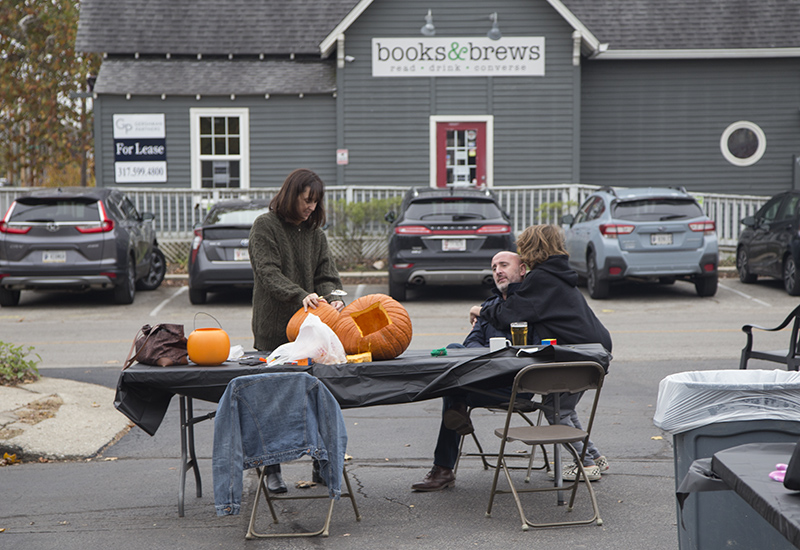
(289, 262)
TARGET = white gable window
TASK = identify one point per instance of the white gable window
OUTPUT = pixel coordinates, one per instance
(743, 143)
(220, 148)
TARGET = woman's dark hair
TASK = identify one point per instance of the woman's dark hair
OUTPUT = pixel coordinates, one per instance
(284, 204)
(539, 242)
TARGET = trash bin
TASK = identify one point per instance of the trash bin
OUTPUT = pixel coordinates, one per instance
(708, 411)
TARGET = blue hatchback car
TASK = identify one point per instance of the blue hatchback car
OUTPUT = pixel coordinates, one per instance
(659, 234)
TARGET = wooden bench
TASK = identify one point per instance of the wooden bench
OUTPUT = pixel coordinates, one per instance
(788, 357)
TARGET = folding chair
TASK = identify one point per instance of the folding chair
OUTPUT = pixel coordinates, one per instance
(522, 408)
(551, 379)
(262, 489)
(245, 436)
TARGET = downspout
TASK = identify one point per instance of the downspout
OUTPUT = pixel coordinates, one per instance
(577, 38)
(340, 63)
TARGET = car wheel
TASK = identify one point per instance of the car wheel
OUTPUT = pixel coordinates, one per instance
(158, 268)
(397, 291)
(791, 277)
(126, 289)
(743, 267)
(706, 286)
(197, 296)
(597, 288)
(9, 298)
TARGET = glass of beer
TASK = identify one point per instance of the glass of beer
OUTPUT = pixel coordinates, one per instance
(519, 333)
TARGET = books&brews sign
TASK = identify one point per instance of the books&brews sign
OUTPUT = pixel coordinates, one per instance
(140, 149)
(475, 56)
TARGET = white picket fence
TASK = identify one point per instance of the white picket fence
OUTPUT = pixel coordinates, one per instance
(178, 210)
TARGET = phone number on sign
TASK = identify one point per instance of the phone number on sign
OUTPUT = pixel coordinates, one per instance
(133, 171)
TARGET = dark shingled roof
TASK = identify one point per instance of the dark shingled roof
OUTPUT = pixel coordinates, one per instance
(214, 77)
(690, 24)
(207, 26)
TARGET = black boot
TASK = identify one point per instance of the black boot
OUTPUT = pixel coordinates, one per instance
(316, 477)
(275, 482)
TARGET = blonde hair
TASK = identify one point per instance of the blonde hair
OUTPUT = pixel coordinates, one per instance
(538, 242)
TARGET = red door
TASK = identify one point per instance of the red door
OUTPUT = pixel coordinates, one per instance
(460, 153)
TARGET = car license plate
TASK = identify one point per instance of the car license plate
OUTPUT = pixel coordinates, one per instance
(54, 256)
(241, 255)
(660, 239)
(454, 245)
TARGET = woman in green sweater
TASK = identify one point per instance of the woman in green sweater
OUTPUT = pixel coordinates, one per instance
(292, 268)
(292, 264)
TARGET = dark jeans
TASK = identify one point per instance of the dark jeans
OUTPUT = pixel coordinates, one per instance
(446, 452)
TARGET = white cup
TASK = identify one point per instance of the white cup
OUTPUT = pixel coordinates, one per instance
(498, 343)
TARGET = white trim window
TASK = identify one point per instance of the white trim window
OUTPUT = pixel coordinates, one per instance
(743, 143)
(220, 148)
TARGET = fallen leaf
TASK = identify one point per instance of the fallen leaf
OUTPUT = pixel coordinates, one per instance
(2, 529)
(657, 437)
(305, 484)
(110, 458)
(95, 405)
(347, 457)
(10, 459)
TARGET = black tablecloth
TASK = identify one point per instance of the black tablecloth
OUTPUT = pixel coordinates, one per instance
(746, 468)
(144, 391)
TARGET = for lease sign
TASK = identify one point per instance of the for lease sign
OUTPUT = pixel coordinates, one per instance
(471, 56)
(140, 148)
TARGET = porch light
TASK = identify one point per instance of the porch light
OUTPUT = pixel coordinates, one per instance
(428, 29)
(494, 33)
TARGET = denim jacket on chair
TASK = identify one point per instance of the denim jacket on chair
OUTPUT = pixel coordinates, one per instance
(271, 418)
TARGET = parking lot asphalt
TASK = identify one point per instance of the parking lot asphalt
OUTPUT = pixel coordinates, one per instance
(124, 494)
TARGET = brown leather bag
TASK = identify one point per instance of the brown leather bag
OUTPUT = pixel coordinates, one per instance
(163, 344)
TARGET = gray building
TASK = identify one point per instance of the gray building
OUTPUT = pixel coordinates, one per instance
(199, 94)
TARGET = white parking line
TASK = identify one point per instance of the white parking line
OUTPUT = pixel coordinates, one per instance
(359, 291)
(180, 290)
(743, 295)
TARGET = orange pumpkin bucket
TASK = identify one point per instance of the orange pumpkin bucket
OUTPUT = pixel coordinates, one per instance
(208, 346)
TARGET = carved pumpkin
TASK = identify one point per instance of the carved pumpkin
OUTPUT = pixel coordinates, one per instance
(326, 313)
(375, 323)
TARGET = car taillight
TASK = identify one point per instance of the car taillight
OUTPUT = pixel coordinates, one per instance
(611, 230)
(105, 226)
(494, 229)
(198, 238)
(411, 230)
(705, 227)
(5, 227)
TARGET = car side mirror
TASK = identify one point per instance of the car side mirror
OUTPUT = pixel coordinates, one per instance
(567, 219)
(749, 221)
(390, 216)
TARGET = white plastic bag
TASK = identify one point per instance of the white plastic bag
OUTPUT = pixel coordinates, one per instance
(315, 341)
(689, 400)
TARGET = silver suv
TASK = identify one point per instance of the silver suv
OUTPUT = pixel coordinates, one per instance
(78, 239)
(650, 233)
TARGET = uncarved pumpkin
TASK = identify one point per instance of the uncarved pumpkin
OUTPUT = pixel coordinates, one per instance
(375, 323)
(326, 313)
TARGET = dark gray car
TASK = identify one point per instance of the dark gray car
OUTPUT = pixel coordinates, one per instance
(769, 245)
(446, 237)
(78, 239)
(219, 258)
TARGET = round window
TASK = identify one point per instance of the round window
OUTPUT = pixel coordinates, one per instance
(743, 143)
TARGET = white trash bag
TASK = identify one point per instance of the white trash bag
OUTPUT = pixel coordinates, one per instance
(315, 341)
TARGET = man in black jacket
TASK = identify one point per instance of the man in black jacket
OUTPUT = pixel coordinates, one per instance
(507, 270)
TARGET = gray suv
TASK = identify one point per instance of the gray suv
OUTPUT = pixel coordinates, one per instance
(78, 239)
(659, 234)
